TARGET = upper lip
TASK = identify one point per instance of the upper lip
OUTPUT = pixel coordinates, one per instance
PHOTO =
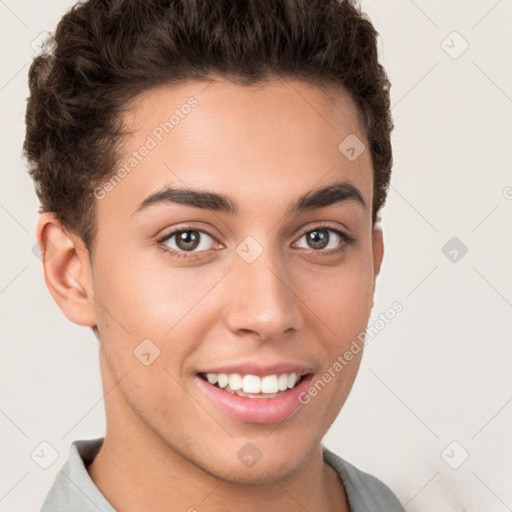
(253, 368)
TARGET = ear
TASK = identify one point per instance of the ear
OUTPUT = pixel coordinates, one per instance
(67, 270)
(378, 249)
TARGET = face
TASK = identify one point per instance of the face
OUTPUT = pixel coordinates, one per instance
(251, 284)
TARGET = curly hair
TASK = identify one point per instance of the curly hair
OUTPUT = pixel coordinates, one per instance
(107, 52)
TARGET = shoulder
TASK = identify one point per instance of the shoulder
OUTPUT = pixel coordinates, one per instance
(365, 492)
(72, 488)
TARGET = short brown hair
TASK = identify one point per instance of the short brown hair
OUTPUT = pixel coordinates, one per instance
(109, 51)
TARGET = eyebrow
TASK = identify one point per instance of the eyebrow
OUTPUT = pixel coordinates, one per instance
(334, 193)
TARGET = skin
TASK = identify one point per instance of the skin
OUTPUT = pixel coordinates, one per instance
(264, 147)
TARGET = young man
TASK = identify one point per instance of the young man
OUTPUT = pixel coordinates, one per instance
(210, 176)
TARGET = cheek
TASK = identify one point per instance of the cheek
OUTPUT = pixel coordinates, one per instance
(150, 298)
(342, 299)
(147, 300)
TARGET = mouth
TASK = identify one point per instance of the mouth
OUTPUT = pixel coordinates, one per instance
(254, 398)
(254, 386)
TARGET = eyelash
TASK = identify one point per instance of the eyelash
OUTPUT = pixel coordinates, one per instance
(194, 256)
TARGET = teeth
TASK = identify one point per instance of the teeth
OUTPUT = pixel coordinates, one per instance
(269, 384)
(235, 381)
(282, 382)
(222, 380)
(252, 384)
(212, 378)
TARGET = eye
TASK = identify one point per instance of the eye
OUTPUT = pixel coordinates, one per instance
(320, 239)
(186, 240)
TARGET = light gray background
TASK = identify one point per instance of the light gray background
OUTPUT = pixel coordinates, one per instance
(438, 373)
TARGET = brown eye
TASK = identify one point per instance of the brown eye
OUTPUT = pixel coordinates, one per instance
(187, 240)
(317, 239)
(321, 239)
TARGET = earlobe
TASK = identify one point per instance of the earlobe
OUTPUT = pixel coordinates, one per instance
(67, 270)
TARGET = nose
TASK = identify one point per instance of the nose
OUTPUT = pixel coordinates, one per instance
(262, 300)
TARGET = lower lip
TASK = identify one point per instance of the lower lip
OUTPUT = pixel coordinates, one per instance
(257, 410)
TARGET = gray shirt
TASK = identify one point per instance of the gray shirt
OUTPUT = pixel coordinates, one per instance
(74, 491)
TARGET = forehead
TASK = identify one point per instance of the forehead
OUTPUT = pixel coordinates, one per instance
(268, 106)
(254, 142)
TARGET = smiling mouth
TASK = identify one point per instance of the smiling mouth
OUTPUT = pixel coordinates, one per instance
(253, 386)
